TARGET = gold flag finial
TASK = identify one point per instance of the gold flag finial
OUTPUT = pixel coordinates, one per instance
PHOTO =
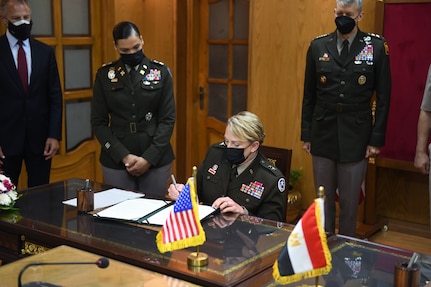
(195, 182)
(321, 192)
(195, 170)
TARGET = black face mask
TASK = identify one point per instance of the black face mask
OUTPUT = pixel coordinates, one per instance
(345, 24)
(132, 59)
(235, 155)
(22, 31)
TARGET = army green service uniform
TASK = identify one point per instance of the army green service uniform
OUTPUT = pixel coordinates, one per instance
(337, 117)
(134, 116)
(261, 188)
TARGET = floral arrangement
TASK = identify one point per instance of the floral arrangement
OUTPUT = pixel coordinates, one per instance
(8, 193)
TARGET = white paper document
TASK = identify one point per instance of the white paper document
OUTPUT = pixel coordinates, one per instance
(146, 211)
(133, 209)
(160, 217)
(108, 197)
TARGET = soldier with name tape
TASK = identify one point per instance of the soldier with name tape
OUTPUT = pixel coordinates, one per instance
(343, 71)
(133, 116)
(235, 177)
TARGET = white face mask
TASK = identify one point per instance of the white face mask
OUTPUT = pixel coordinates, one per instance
(17, 23)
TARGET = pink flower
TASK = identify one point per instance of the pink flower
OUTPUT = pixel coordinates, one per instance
(8, 184)
(8, 193)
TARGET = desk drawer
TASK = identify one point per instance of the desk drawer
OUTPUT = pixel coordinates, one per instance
(10, 241)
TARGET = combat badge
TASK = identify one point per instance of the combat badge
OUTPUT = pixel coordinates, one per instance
(362, 80)
(281, 184)
(323, 79)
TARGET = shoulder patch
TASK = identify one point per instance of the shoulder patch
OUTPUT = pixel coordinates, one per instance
(281, 184)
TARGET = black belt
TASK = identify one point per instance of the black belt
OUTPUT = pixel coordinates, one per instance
(341, 107)
(132, 127)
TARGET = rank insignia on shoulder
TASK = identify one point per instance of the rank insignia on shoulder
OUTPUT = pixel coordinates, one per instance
(106, 64)
(321, 36)
(158, 62)
(375, 35)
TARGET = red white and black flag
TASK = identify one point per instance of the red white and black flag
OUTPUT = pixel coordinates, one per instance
(306, 253)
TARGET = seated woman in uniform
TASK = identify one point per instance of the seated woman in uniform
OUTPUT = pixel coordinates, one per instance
(236, 178)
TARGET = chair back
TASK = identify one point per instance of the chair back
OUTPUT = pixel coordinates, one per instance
(279, 157)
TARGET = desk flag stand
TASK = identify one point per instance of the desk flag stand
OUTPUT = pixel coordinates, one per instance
(197, 259)
(320, 194)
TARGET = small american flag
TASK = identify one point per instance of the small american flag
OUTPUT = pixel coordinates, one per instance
(182, 228)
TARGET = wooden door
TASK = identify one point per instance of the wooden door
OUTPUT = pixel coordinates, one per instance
(223, 66)
(72, 27)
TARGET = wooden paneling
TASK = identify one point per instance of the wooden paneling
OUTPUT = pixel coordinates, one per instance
(83, 162)
(402, 195)
(156, 21)
(280, 33)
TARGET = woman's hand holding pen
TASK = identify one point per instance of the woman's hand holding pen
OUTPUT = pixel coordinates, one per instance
(174, 189)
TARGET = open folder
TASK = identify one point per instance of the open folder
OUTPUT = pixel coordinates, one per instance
(146, 211)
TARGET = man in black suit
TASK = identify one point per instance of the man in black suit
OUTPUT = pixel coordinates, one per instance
(337, 119)
(30, 98)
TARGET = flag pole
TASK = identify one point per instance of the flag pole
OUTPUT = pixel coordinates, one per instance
(320, 194)
(197, 259)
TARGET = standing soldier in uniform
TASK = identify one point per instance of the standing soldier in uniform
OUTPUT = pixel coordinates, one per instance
(133, 116)
(236, 178)
(343, 70)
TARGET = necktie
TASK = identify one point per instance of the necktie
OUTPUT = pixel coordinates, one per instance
(133, 74)
(345, 49)
(233, 172)
(22, 67)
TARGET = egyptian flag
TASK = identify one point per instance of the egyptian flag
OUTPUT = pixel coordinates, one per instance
(306, 253)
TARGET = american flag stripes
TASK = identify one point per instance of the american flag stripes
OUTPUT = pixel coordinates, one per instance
(182, 228)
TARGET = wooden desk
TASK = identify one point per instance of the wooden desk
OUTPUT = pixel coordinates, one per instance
(360, 263)
(241, 254)
(238, 254)
(116, 274)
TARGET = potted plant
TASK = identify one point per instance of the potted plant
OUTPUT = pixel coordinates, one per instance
(294, 196)
(294, 177)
